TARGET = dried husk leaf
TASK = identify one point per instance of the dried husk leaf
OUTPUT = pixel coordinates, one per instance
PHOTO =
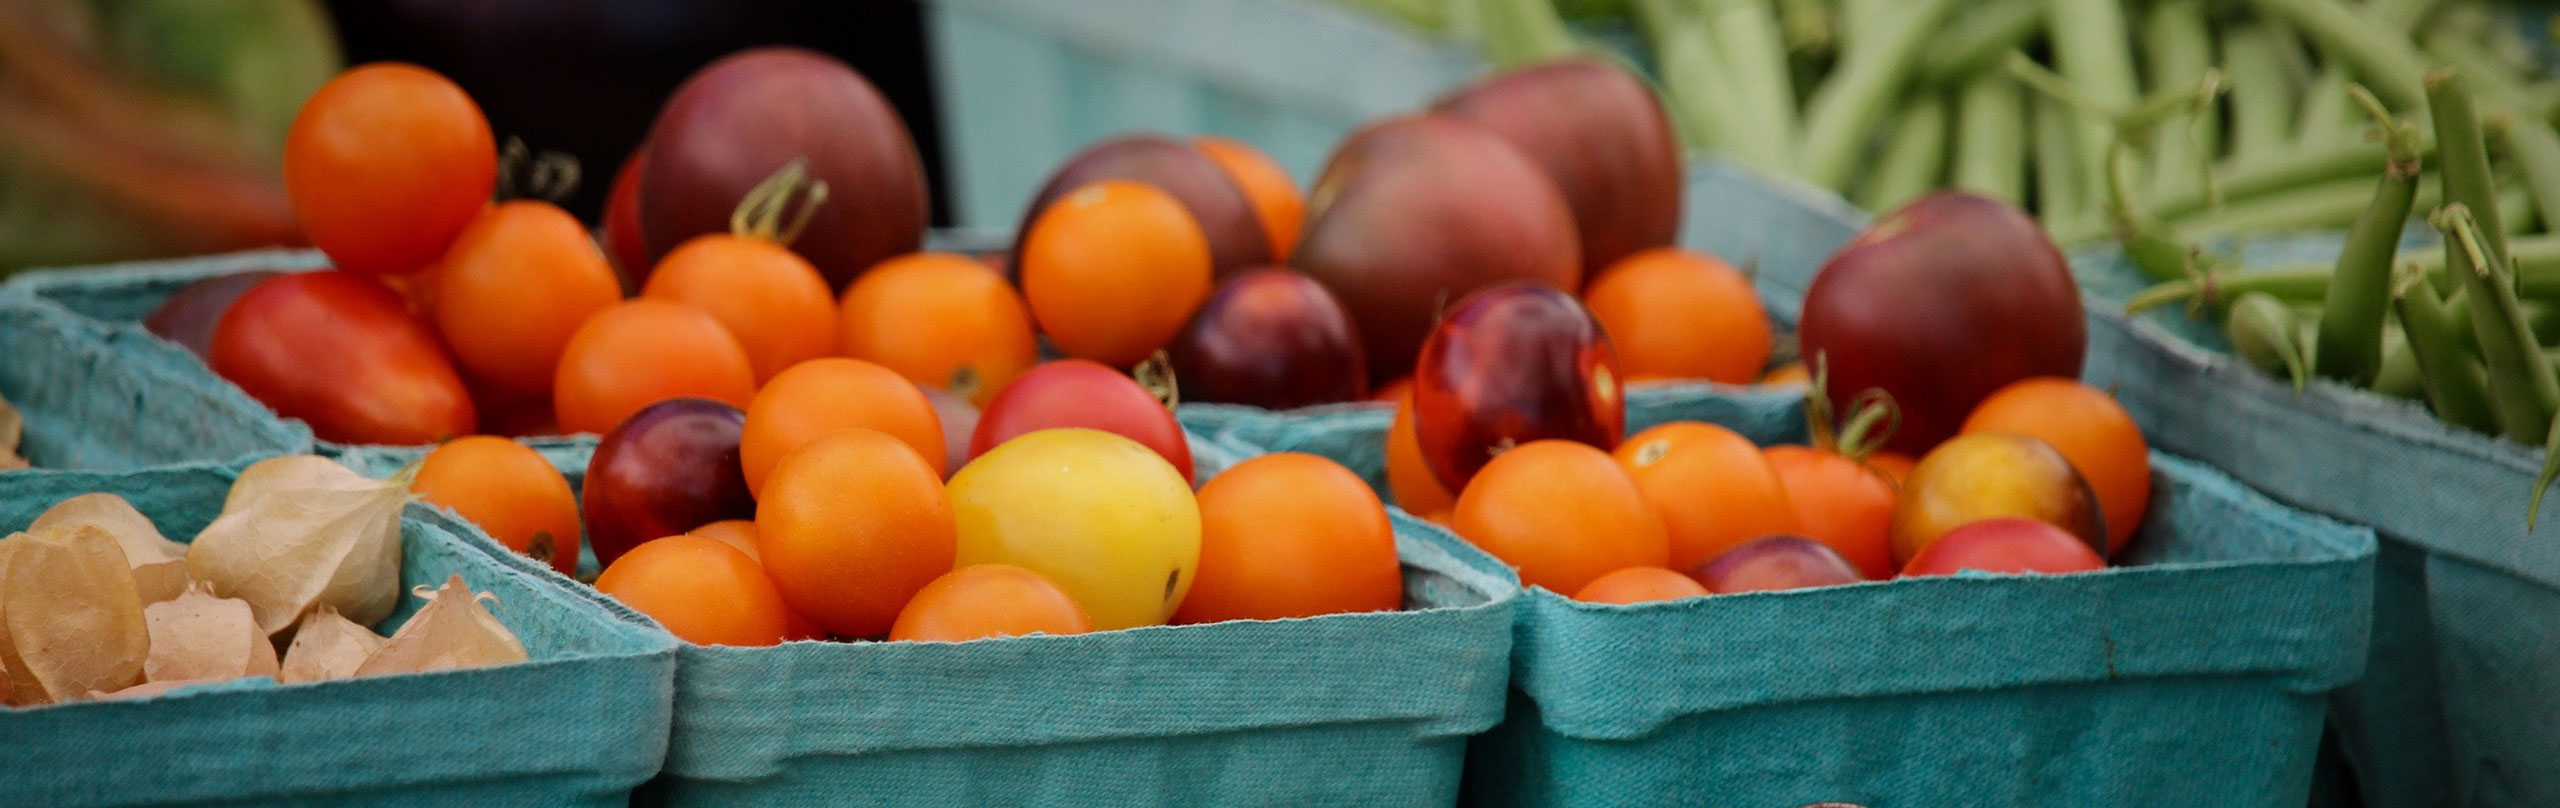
(13, 428)
(159, 565)
(311, 540)
(327, 646)
(198, 636)
(454, 631)
(149, 689)
(12, 671)
(75, 624)
(284, 472)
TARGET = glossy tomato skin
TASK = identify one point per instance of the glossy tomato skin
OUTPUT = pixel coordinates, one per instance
(1081, 393)
(621, 228)
(1216, 203)
(670, 468)
(385, 164)
(2007, 545)
(344, 354)
(1274, 339)
(1511, 364)
(189, 317)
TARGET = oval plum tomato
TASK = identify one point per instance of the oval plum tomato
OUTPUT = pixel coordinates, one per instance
(510, 491)
(1562, 512)
(1291, 534)
(189, 317)
(1981, 475)
(1270, 338)
(1713, 487)
(1510, 364)
(516, 284)
(386, 164)
(1681, 314)
(1112, 269)
(1276, 201)
(1075, 392)
(1639, 585)
(2091, 430)
(1100, 515)
(704, 592)
(344, 354)
(943, 320)
(2005, 545)
(1840, 503)
(988, 600)
(820, 396)
(641, 352)
(1409, 476)
(851, 526)
(672, 466)
(770, 298)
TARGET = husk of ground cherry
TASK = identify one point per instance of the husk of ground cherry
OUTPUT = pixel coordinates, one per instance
(12, 429)
(327, 646)
(72, 621)
(295, 534)
(198, 636)
(159, 565)
(454, 631)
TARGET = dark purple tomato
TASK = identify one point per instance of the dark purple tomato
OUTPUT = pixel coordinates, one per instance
(1237, 241)
(188, 317)
(1081, 393)
(670, 468)
(1512, 364)
(959, 421)
(739, 120)
(1601, 134)
(1414, 213)
(1776, 562)
(1939, 304)
(1270, 338)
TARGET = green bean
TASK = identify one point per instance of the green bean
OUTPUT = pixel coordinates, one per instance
(2326, 117)
(2264, 333)
(2261, 99)
(2534, 259)
(2292, 170)
(2522, 389)
(1810, 28)
(2060, 198)
(2350, 344)
(2495, 84)
(1746, 35)
(1862, 21)
(1519, 32)
(1996, 28)
(2386, 59)
(1845, 109)
(1914, 158)
(2402, 15)
(1991, 124)
(2530, 144)
(2399, 376)
(2324, 206)
(2456, 387)
(2462, 160)
(2092, 49)
(1692, 75)
(2178, 50)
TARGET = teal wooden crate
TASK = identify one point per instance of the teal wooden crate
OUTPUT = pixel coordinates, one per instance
(583, 723)
(1024, 84)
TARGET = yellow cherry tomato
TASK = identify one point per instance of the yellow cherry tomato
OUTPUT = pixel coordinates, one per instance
(1103, 516)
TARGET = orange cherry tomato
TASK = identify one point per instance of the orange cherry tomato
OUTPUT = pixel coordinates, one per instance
(1409, 475)
(941, 320)
(1563, 513)
(641, 352)
(1276, 201)
(820, 396)
(2091, 430)
(1711, 484)
(851, 526)
(1640, 585)
(510, 491)
(704, 592)
(988, 600)
(1841, 503)
(385, 164)
(1112, 270)
(770, 298)
(1291, 534)
(1681, 314)
(516, 284)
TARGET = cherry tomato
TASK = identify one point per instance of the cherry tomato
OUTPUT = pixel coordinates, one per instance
(1271, 338)
(1097, 514)
(343, 353)
(1076, 392)
(386, 164)
(1512, 364)
(669, 469)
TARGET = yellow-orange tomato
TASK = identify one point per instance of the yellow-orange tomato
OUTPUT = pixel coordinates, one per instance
(941, 320)
(821, 396)
(1640, 585)
(510, 491)
(1563, 513)
(641, 352)
(1712, 486)
(989, 600)
(1680, 314)
(741, 534)
(385, 164)
(1291, 534)
(1409, 475)
(770, 298)
(1275, 197)
(516, 284)
(1982, 475)
(704, 592)
(1112, 270)
(850, 526)
(1841, 503)
(2091, 430)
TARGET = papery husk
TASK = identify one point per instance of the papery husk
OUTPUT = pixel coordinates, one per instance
(150, 689)
(13, 428)
(159, 565)
(454, 631)
(302, 537)
(327, 646)
(287, 471)
(198, 636)
(74, 622)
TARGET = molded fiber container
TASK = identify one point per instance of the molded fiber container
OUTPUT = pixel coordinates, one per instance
(583, 723)
(1026, 83)
(98, 397)
(2197, 675)
(1348, 709)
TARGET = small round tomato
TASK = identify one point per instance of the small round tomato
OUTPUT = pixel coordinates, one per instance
(516, 284)
(2005, 545)
(510, 491)
(640, 352)
(386, 164)
(1100, 515)
(703, 591)
(1076, 392)
(1290, 534)
(343, 353)
(670, 468)
(1514, 363)
(1639, 585)
(988, 600)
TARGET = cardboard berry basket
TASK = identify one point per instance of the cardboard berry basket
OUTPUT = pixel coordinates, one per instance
(99, 397)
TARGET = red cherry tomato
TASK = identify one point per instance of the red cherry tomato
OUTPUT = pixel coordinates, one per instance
(2005, 545)
(343, 353)
(1077, 392)
(1511, 364)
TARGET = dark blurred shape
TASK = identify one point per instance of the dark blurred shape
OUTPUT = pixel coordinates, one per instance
(586, 77)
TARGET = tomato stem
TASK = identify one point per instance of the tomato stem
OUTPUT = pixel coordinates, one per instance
(1156, 374)
(549, 176)
(766, 213)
